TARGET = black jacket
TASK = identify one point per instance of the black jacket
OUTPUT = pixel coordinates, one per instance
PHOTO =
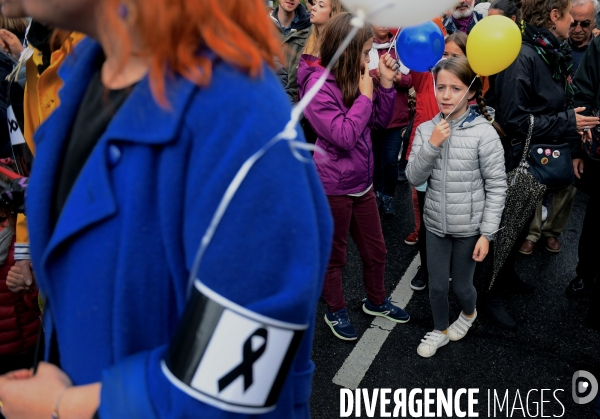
(587, 93)
(587, 79)
(527, 87)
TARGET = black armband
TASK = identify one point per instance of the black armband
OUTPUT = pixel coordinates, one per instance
(228, 356)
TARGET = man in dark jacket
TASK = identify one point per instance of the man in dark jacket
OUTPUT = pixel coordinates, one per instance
(293, 22)
(463, 18)
(580, 35)
(587, 93)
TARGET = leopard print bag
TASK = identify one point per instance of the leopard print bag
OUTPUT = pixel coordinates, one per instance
(522, 198)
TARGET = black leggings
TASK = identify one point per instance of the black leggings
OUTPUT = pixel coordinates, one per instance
(422, 242)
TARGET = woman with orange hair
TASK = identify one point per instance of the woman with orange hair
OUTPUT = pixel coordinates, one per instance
(152, 132)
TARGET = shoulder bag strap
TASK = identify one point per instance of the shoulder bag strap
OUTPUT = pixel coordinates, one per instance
(527, 142)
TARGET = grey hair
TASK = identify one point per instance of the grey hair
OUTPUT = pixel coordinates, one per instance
(584, 2)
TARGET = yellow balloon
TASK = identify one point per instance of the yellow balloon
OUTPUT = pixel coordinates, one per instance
(493, 44)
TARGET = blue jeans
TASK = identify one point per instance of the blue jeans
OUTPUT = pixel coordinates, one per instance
(597, 407)
(386, 147)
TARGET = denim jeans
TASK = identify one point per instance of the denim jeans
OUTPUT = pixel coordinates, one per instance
(386, 147)
(360, 217)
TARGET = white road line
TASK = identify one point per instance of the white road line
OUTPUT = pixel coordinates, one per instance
(358, 362)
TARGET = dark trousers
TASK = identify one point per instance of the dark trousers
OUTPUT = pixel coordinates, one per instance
(422, 243)
(588, 267)
(16, 362)
(360, 217)
(386, 147)
(451, 257)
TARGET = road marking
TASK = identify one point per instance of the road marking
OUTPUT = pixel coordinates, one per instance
(358, 362)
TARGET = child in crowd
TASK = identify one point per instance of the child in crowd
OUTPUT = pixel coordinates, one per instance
(320, 13)
(456, 46)
(387, 142)
(425, 109)
(460, 156)
(342, 114)
(19, 309)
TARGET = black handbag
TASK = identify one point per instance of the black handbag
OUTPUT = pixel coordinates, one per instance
(551, 165)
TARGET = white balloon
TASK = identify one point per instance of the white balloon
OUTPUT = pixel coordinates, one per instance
(398, 13)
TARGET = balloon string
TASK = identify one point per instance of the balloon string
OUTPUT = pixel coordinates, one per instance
(289, 134)
(463, 96)
(392, 43)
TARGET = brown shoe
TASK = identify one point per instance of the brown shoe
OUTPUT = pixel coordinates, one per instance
(552, 245)
(527, 247)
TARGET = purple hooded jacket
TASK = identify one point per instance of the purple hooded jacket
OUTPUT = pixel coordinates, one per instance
(343, 134)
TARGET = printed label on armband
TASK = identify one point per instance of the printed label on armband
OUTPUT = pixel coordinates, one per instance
(16, 136)
(228, 356)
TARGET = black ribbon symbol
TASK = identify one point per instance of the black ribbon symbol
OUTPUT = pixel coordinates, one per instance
(13, 125)
(249, 357)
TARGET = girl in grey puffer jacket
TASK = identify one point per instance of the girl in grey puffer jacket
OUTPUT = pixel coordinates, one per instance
(460, 156)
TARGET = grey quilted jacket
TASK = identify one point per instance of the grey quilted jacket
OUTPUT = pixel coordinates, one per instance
(466, 181)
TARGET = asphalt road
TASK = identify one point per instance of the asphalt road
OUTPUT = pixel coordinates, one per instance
(549, 346)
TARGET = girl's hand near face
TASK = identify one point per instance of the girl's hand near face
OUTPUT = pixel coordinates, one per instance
(441, 133)
(10, 44)
(365, 84)
(387, 70)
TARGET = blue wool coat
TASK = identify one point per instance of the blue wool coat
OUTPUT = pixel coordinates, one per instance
(115, 267)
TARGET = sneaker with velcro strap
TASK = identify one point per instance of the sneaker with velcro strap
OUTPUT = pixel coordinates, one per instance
(387, 310)
(460, 327)
(340, 325)
(431, 343)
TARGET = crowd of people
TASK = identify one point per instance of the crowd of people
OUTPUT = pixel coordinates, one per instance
(450, 200)
(147, 184)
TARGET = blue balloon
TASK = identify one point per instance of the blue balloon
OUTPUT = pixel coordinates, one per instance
(420, 47)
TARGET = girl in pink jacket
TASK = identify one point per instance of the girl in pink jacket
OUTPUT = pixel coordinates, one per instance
(343, 114)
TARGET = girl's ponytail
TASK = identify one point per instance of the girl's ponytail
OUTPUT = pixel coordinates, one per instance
(485, 113)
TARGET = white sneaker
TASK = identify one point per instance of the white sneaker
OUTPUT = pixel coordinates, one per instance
(460, 327)
(430, 344)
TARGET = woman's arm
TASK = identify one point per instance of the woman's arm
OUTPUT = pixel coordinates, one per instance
(331, 124)
(268, 255)
(48, 392)
(385, 97)
(517, 94)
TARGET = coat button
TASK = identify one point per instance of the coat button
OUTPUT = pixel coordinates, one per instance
(114, 155)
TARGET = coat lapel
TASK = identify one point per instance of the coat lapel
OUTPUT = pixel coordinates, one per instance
(92, 200)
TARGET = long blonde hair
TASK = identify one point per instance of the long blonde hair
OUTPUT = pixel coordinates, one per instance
(17, 26)
(312, 46)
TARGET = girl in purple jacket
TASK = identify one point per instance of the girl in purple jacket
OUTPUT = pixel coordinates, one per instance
(343, 114)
